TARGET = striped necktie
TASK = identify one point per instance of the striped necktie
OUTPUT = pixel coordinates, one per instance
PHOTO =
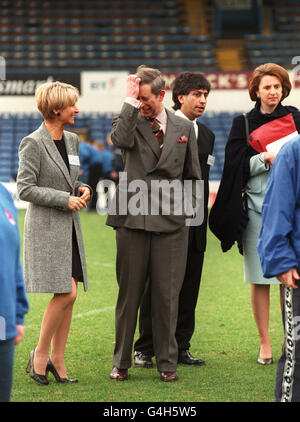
(158, 133)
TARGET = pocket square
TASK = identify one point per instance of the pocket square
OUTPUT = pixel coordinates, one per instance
(182, 140)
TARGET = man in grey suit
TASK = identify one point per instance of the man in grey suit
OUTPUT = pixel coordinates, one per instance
(190, 92)
(158, 148)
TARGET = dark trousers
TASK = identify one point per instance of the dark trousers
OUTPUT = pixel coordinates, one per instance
(161, 258)
(287, 387)
(95, 174)
(7, 348)
(186, 307)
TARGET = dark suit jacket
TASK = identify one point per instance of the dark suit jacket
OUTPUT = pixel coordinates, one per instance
(206, 139)
(132, 133)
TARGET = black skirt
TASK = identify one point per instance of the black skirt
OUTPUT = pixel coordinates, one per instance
(76, 261)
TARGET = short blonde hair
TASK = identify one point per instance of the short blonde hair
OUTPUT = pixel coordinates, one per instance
(55, 95)
(272, 69)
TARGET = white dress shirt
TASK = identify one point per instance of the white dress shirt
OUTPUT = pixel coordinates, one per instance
(180, 114)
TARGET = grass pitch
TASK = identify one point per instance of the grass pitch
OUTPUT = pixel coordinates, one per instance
(225, 336)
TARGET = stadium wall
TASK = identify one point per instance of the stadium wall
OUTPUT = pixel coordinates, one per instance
(104, 91)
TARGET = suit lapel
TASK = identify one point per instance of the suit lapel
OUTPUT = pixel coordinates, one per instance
(204, 141)
(171, 135)
(54, 153)
(145, 129)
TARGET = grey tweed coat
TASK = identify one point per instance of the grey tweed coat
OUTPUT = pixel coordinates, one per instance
(45, 182)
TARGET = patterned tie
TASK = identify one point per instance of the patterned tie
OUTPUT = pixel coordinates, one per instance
(158, 133)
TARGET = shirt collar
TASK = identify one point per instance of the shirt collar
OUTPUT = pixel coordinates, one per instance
(179, 113)
(162, 120)
(162, 117)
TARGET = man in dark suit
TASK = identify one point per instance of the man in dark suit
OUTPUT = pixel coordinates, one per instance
(151, 243)
(190, 91)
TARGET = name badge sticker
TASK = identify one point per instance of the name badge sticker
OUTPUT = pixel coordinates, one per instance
(210, 160)
(74, 160)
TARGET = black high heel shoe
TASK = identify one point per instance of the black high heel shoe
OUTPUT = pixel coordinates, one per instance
(40, 379)
(267, 361)
(51, 368)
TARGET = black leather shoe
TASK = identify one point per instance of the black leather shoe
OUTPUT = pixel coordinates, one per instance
(142, 360)
(186, 358)
(40, 379)
(51, 368)
(267, 361)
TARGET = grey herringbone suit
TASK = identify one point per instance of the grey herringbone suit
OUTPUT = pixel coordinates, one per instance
(151, 246)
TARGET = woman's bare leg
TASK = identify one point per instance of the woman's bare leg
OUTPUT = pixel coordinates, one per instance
(59, 341)
(58, 314)
(260, 294)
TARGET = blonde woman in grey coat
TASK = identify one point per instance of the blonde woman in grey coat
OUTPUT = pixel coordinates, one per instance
(54, 259)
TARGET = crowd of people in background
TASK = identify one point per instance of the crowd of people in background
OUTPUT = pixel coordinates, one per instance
(99, 160)
(159, 257)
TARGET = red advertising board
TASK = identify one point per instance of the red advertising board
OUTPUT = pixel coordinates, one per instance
(233, 80)
(219, 80)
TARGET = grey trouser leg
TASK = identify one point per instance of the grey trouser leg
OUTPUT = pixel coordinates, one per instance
(162, 257)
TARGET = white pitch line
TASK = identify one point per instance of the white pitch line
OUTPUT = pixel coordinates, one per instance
(82, 315)
(101, 264)
(95, 311)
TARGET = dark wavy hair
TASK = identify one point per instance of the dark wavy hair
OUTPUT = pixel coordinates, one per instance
(186, 82)
(271, 69)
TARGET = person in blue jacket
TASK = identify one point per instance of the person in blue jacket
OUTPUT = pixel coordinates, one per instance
(94, 154)
(86, 152)
(13, 300)
(100, 168)
(279, 250)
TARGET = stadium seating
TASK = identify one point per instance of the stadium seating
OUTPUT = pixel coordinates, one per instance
(283, 43)
(13, 127)
(119, 35)
(275, 48)
(115, 35)
(100, 34)
(287, 16)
